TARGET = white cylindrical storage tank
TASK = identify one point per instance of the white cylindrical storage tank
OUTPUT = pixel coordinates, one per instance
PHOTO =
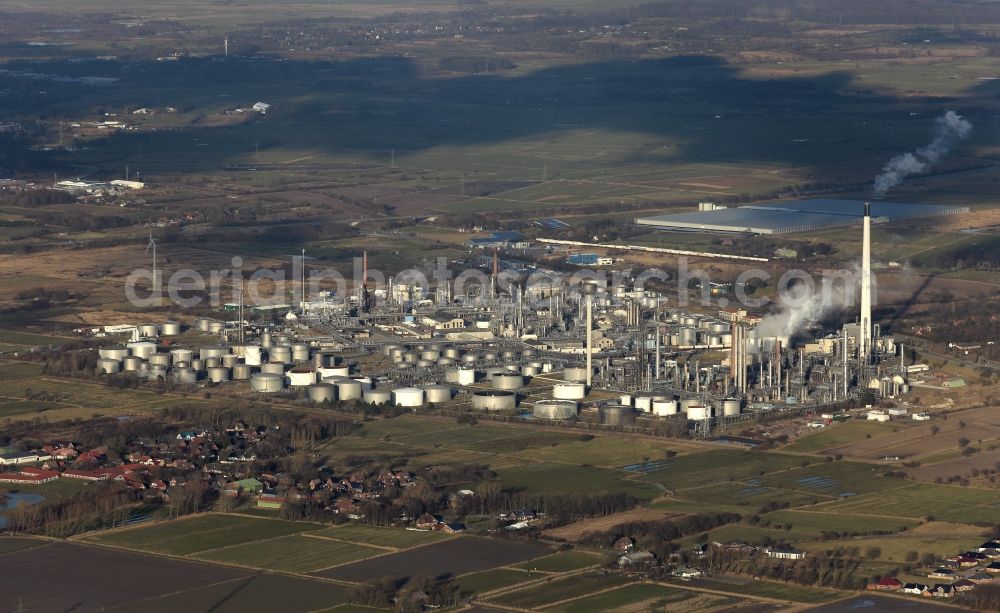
(198, 364)
(664, 408)
(509, 355)
(301, 376)
(643, 403)
(182, 355)
(625, 399)
(322, 392)
(396, 353)
(201, 324)
(349, 389)
(113, 353)
(267, 383)
(470, 358)
(218, 374)
(422, 363)
(157, 372)
(378, 397)
(334, 371)
(554, 409)
(452, 352)
(212, 351)
(149, 330)
(185, 375)
(451, 375)
(159, 359)
(569, 391)
(300, 353)
(466, 376)
(230, 360)
(687, 336)
(265, 340)
(437, 394)
(494, 400)
(241, 372)
(131, 363)
(445, 361)
(216, 327)
(273, 368)
(698, 412)
(212, 362)
(575, 373)
(108, 366)
(389, 350)
(404, 365)
(490, 356)
(688, 402)
(280, 353)
(430, 354)
(527, 353)
(170, 328)
(507, 381)
(408, 397)
(730, 407)
(143, 349)
(252, 355)
(410, 357)
(530, 371)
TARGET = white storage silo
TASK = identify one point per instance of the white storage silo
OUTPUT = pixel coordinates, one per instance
(698, 412)
(301, 376)
(507, 381)
(378, 397)
(494, 400)
(408, 397)
(437, 394)
(554, 409)
(273, 368)
(170, 328)
(149, 330)
(280, 353)
(664, 408)
(322, 392)
(218, 374)
(267, 383)
(349, 389)
(569, 391)
(108, 366)
(143, 349)
(576, 374)
(113, 353)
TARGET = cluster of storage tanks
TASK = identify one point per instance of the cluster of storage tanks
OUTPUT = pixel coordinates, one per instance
(660, 405)
(457, 362)
(697, 331)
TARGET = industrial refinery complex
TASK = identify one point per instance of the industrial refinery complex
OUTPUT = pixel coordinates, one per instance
(609, 355)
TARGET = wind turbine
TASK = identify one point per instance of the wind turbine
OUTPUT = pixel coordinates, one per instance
(152, 245)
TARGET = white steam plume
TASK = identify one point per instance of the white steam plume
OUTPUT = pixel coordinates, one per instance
(948, 130)
(807, 305)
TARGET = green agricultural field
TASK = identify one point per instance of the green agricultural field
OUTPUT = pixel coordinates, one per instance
(768, 589)
(836, 435)
(834, 479)
(569, 479)
(747, 497)
(655, 597)
(295, 553)
(558, 590)
(718, 466)
(564, 561)
(611, 450)
(943, 502)
(201, 533)
(396, 538)
(489, 580)
(818, 523)
(739, 533)
(894, 548)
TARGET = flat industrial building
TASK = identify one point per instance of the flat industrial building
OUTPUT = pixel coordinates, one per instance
(794, 216)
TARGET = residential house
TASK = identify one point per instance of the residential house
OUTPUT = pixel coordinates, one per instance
(887, 584)
(624, 544)
(914, 589)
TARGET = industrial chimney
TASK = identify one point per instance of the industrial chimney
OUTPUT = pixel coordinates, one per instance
(865, 344)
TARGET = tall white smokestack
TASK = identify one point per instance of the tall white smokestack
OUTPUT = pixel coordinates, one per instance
(865, 346)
